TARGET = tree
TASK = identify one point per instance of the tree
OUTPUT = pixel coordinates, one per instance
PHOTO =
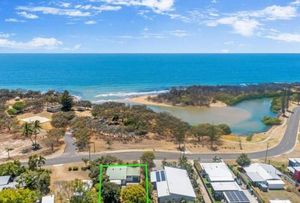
(225, 129)
(12, 168)
(36, 162)
(147, 158)
(133, 193)
(18, 195)
(62, 119)
(66, 101)
(36, 128)
(82, 136)
(111, 192)
(179, 131)
(53, 137)
(81, 193)
(35, 180)
(213, 135)
(243, 160)
(283, 100)
(27, 131)
(200, 131)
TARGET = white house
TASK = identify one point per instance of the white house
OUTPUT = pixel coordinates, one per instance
(264, 175)
(218, 172)
(172, 184)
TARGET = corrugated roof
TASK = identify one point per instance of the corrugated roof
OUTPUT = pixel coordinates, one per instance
(263, 172)
(162, 189)
(116, 172)
(218, 172)
(179, 182)
(133, 171)
(225, 186)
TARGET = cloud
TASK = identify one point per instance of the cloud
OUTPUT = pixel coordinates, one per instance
(246, 23)
(286, 37)
(245, 27)
(27, 15)
(273, 12)
(158, 6)
(13, 20)
(90, 22)
(55, 11)
(179, 33)
(35, 43)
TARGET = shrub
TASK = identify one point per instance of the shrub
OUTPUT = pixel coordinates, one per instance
(19, 106)
(12, 111)
(75, 168)
(267, 120)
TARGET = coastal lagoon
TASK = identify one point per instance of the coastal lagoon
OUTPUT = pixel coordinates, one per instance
(243, 118)
(117, 77)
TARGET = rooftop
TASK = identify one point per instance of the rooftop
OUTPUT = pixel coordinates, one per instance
(4, 180)
(295, 160)
(120, 172)
(172, 181)
(225, 186)
(218, 172)
(258, 172)
(236, 197)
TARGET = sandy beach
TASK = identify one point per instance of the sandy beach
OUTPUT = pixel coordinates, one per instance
(144, 100)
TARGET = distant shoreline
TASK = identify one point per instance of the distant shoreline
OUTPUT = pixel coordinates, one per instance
(145, 101)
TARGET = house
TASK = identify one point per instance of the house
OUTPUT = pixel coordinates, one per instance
(294, 168)
(223, 183)
(217, 172)
(172, 185)
(48, 199)
(264, 176)
(122, 175)
(6, 182)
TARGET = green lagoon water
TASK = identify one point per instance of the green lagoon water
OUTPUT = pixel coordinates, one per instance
(243, 118)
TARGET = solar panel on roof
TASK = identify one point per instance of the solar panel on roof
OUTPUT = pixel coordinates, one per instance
(236, 197)
(163, 176)
(157, 176)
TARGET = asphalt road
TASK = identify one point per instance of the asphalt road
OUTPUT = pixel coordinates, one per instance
(287, 143)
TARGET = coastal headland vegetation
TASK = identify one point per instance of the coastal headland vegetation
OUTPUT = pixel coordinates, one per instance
(114, 123)
(229, 94)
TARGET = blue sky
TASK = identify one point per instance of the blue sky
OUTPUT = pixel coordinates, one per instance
(150, 26)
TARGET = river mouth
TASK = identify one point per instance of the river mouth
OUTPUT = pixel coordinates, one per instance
(243, 118)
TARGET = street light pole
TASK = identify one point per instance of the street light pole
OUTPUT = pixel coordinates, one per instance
(266, 157)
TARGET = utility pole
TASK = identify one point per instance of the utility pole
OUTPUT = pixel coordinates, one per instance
(267, 152)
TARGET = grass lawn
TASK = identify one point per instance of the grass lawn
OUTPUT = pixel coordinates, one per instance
(281, 195)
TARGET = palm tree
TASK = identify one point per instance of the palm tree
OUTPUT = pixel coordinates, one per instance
(36, 128)
(27, 131)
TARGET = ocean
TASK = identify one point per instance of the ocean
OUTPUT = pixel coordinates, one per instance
(104, 77)
(115, 76)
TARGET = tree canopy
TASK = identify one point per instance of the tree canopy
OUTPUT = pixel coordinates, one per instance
(133, 193)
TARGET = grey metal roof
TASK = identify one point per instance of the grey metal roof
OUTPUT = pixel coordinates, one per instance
(4, 180)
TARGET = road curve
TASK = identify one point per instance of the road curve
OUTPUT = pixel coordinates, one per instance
(287, 143)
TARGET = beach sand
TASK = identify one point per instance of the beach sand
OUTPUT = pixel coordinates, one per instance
(144, 100)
